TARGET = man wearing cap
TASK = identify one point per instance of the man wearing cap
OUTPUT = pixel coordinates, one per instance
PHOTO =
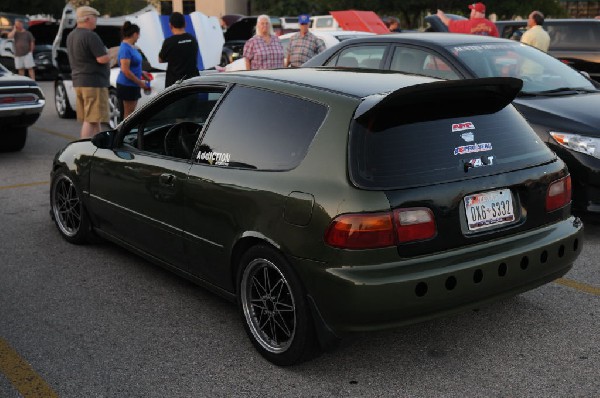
(477, 24)
(535, 35)
(90, 71)
(303, 45)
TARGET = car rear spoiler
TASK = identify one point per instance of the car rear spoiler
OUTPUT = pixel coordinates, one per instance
(441, 100)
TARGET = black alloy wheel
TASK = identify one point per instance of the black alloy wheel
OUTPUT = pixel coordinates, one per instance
(274, 308)
(67, 209)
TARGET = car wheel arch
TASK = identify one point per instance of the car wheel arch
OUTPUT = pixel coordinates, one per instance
(247, 241)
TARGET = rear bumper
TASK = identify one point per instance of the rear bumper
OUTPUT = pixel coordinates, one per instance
(21, 116)
(349, 299)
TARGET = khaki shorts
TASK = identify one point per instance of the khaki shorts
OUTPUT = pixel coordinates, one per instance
(92, 104)
(24, 62)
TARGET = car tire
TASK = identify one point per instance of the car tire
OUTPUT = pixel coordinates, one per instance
(274, 308)
(115, 109)
(67, 209)
(13, 139)
(61, 101)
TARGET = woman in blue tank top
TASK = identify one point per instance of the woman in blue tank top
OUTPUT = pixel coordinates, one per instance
(130, 79)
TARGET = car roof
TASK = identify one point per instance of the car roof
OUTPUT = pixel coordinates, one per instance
(433, 38)
(357, 83)
(331, 33)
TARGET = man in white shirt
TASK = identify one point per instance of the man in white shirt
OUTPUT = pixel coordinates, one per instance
(535, 35)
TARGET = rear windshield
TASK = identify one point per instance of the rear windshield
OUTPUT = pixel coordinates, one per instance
(387, 154)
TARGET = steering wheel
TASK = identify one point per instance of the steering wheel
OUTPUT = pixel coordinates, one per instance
(180, 140)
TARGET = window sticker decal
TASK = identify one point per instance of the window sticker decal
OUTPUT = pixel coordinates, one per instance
(215, 158)
(482, 47)
(463, 126)
(473, 148)
(478, 162)
(468, 137)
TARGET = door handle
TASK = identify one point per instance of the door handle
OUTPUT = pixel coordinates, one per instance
(167, 179)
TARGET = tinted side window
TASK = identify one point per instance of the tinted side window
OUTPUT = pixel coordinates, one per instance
(359, 57)
(385, 154)
(413, 60)
(260, 129)
(172, 127)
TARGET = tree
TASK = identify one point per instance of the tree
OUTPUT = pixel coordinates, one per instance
(55, 7)
(29, 7)
(114, 7)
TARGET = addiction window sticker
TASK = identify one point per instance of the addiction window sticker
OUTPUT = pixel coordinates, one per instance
(215, 158)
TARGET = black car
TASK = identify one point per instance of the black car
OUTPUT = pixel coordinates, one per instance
(559, 102)
(21, 104)
(326, 202)
(576, 42)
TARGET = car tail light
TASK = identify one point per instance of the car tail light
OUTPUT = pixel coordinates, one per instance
(361, 231)
(17, 98)
(559, 194)
(377, 230)
(414, 224)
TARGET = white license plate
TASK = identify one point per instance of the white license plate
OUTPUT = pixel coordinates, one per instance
(489, 209)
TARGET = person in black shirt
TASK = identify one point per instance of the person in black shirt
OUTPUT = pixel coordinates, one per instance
(180, 51)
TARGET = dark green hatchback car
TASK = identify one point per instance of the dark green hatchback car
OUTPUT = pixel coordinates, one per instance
(325, 202)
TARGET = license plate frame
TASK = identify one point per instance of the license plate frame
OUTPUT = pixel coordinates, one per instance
(489, 209)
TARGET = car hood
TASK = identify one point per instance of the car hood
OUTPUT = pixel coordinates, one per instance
(363, 21)
(569, 113)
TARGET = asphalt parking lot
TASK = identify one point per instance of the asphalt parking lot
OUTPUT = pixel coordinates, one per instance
(95, 320)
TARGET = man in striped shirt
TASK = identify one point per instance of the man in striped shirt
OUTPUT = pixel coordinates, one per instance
(303, 45)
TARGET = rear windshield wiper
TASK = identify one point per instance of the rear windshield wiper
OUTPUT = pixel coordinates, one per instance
(560, 91)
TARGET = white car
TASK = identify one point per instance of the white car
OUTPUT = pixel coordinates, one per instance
(207, 30)
(330, 37)
(324, 22)
(64, 95)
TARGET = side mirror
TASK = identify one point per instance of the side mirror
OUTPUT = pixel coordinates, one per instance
(104, 139)
(585, 74)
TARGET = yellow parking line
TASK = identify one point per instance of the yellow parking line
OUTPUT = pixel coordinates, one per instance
(51, 132)
(29, 184)
(22, 376)
(584, 287)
